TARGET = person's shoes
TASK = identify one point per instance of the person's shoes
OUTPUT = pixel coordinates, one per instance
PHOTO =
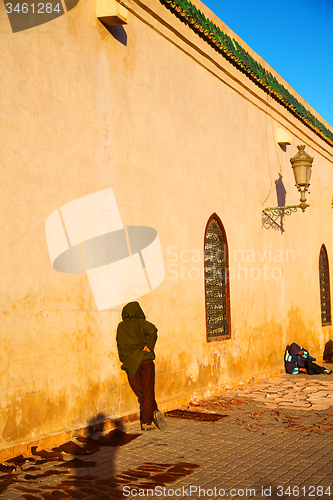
(327, 371)
(148, 427)
(159, 420)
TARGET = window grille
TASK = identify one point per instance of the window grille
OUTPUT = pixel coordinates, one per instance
(216, 281)
(325, 296)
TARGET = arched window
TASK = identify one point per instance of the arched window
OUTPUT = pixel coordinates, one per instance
(216, 281)
(324, 280)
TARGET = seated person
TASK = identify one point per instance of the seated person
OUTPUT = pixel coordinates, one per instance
(297, 360)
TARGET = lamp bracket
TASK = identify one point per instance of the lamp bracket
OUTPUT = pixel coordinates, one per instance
(271, 215)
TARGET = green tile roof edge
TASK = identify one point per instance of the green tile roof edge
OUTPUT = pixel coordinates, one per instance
(232, 51)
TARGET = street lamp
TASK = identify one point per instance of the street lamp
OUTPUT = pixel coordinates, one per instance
(302, 167)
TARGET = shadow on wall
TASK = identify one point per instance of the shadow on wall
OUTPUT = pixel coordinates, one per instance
(281, 198)
(118, 33)
(328, 352)
(96, 424)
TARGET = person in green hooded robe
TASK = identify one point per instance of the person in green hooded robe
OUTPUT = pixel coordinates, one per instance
(136, 339)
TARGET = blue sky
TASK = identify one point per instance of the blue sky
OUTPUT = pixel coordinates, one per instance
(295, 37)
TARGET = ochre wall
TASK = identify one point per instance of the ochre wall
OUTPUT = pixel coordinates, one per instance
(178, 133)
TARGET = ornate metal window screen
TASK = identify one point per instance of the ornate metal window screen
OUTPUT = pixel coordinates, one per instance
(216, 281)
(325, 296)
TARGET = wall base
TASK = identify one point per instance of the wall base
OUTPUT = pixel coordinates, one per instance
(49, 442)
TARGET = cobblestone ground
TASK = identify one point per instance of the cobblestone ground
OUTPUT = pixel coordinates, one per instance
(276, 442)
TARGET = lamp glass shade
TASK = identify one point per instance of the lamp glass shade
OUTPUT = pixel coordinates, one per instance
(302, 165)
(302, 174)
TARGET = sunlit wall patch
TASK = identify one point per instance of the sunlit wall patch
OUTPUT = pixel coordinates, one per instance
(87, 235)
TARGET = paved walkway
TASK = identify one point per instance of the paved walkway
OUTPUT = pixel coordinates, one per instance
(276, 442)
(302, 393)
(296, 392)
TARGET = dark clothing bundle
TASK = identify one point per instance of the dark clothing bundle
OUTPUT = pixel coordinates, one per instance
(294, 361)
(133, 334)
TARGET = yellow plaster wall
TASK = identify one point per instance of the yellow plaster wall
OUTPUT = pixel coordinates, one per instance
(178, 134)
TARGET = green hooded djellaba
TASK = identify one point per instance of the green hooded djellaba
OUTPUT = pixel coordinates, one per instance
(133, 334)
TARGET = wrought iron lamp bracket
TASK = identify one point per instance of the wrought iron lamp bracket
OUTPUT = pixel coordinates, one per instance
(271, 215)
(301, 164)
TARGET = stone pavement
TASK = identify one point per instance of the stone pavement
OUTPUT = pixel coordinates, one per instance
(276, 442)
(301, 393)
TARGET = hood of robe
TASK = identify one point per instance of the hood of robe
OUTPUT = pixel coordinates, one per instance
(132, 310)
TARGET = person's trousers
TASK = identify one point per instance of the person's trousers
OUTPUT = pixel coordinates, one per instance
(143, 385)
(312, 368)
